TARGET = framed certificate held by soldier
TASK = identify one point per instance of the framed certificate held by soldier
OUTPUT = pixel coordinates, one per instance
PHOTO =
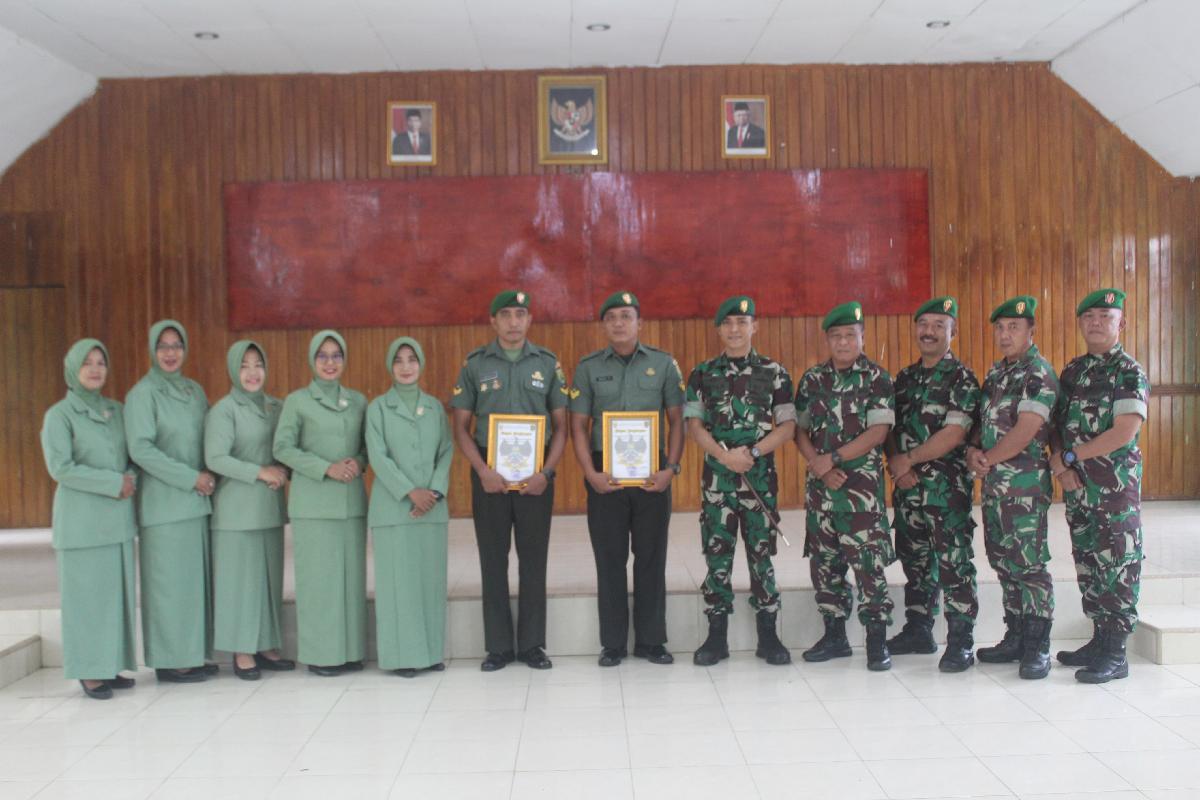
(516, 445)
(630, 446)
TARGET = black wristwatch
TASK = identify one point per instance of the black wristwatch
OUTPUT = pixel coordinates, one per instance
(676, 468)
(1069, 458)
(437, 495)
(836, 458)
(549, 473)
(754, 451)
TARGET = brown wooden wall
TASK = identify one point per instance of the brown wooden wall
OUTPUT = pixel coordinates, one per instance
(1031, 191)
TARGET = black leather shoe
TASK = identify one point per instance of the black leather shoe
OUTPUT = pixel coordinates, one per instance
(654, 653)
(960, 640)
(274, 664)
(325, 672)
(1035, 657)
(535, 658)
(121, 682)
(101, 692)
(495, 661)
(1009, 648)
(406, 672)
(769, 647)
(247, 673)
(833, 644)
(915, 637)
(1084, 655)
(878, 657)
(611, 656)
(195, 675)
(210, 669)
(716, 645)
(1109, 662)
(352, 666)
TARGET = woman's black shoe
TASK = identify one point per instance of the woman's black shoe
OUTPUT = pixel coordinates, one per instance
(274, 664)
(406, 672)
(246, 674)
(210, 669)
(195, 675)
(121, 682)
(325, 672)
(352, 666)
(101, 692)
(438, 667)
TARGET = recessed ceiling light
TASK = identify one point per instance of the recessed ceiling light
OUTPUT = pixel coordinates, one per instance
(938, 23)
(206, 36)
(598, 27)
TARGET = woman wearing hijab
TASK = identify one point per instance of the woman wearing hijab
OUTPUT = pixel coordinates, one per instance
(320, 437)
(164, 425)
(83, 441)
(408, 441)
(249, 512)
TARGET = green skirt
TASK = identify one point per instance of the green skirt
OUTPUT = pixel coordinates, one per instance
(176, 594)
(247, 590)
(331, 590)
(410, 594)
(97, 590)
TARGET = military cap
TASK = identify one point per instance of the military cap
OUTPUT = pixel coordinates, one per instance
(620, 300)
(939, 305)
(738, 305)
(1102, 298)
(509, 298)
(1020, 307)
(845, 314)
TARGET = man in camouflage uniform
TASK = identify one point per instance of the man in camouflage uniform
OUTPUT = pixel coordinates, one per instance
(739, 410)
(1104, 398)
(1019, 395)
(628, 375)
(936, 402)
(844, 410)
(511, 375)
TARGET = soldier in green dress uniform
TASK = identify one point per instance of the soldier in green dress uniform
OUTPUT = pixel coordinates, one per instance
(1010, 454)
(164, 426)
(739, 410)
(83, 442)
(320, 437)
(249, 512)
(628, 375)
(1105, 395)
(409, 444)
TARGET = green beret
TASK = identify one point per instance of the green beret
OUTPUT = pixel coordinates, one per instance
(510, 298)
(1102, 298)
(845, 314)
(1020, 307)
(620, 300)
(939, 305)
(739, 305)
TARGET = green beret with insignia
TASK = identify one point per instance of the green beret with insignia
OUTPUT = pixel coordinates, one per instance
(738, 305)
(939, 305)
(1102, 298)
(845, 314)
(620, 300)
(1020, 307)
(512, 298)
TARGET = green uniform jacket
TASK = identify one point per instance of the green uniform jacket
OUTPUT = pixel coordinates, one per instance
(651, 381)
(312, 434)
(238, 441)
(165, 431)
(85, 453)
(408, 450)
(491, 384)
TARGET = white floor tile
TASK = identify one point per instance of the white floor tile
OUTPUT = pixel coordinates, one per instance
(253, 727)
(1168, 770)
(548, 723)
(573, 753)
(716, 782)
(1165, 702)
(589, 784)
(1149, 677)
(333, 787)
(1126, 795)
(19, 790)
(394, 700)
(665, 720)
(461, 756)
(145, 731)
(685, 750)
(99, 790)
(392, 728)
(888, 712)
(1170, 794)
(210, 788)
(778, 716)
(786, 688)
(931, 683)
(921, 777)
(1122, 735)
(18, 764)
(645, 695)
(439, 726)
(1014, 739)
(482, 698)
(1187, 727)
(460, 786)
(1080, 772)
(233, 759)
(128, 761)
(795, 747)
(1082, 702)
(928, 741)
(982, 709)
(51, 733)
(572, 695)
(852, 682)
(309, 701)
(350, 758)
(849, 781)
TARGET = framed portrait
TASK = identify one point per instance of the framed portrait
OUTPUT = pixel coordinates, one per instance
(746, 122)
(412, 133)
(516, 445)
(572, 119)
(630, 446)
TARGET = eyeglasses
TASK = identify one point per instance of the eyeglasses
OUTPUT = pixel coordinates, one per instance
(161, 346)
(336, 358)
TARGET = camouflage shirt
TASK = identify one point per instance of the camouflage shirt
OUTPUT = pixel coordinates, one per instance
(836, 407)
(1095, 390)
(927, 400)
(1027, 384)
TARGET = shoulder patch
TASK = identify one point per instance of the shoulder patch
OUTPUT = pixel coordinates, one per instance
(457, 391)
(574, 393)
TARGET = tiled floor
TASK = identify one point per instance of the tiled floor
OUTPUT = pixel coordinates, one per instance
(739, 730)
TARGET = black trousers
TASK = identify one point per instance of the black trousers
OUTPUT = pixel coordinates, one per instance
(499, 518)
(618, 522)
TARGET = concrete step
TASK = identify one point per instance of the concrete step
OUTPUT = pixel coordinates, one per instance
(1168, 634)
(20, 655)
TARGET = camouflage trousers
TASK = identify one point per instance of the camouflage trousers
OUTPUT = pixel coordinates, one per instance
(722, 514)
(1015, 537)
(836, 542)
(935, 549)
(1108, 561)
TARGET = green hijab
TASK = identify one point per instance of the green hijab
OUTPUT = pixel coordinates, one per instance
(329, 388)
(233, 362)
(174, 380)
(73, 362)
(409, 393)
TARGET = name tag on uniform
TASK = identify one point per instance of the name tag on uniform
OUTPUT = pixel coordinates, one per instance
(600, 378)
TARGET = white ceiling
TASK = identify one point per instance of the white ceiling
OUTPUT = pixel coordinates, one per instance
(1130, 57)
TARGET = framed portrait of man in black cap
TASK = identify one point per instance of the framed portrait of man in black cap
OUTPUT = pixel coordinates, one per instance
(747, 126)
(412, 133)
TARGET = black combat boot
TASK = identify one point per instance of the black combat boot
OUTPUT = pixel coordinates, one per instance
(915, 637)
(716, 646)
(1108, 662)
(878, 658)
(959, 641)
(1009, 648)
(1035, 641)
(1084, 655)
(833, 644)
(769, 646)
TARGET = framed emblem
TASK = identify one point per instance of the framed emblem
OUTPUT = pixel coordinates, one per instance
(572, 119)
(630, 446)
(516, 446)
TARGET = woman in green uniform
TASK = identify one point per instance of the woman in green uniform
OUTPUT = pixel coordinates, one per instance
(320, 436)
(408, 441)
(164, 425)
(83, 441)
(249, 512)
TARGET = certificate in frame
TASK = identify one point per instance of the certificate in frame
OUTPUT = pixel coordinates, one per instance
(516, 446)
(630, 446)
